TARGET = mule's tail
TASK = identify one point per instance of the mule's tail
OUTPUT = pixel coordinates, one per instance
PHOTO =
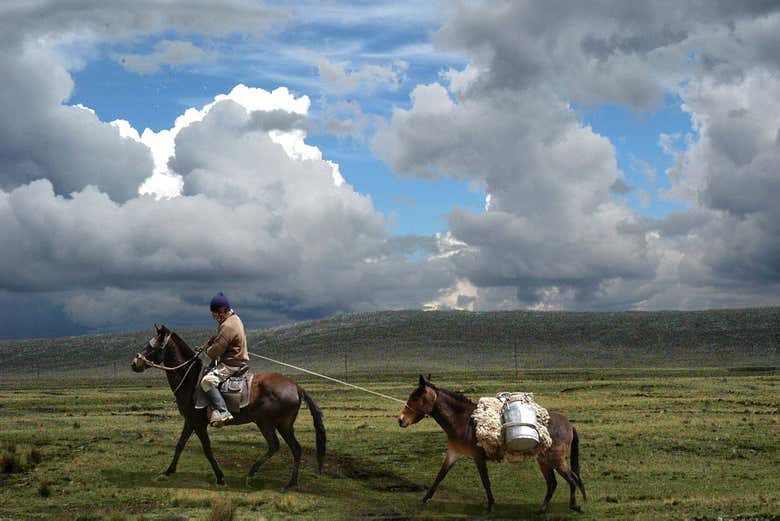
(319, 428)
(575, 462)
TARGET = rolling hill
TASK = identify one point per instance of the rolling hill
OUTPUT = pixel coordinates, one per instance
(391, 341)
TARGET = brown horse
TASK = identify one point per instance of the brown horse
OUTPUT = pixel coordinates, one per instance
(452, 411)
(273, 405)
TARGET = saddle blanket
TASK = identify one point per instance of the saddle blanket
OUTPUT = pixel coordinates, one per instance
(236, 391)
(489, 427)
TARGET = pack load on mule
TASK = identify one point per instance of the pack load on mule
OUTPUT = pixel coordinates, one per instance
(460, 419)
(511, 427)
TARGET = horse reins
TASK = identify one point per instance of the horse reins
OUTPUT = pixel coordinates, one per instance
(166, 368)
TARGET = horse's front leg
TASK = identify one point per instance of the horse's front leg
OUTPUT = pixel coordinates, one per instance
(483, 474)
(449, 460)
(202, 432)
(186, 432)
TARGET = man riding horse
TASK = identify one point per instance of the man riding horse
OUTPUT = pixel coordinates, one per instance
(228, 350)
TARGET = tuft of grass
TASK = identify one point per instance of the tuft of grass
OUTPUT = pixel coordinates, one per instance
(18, 458)
(291, 504)
(222, 509)
(44, 489)
(192, 498)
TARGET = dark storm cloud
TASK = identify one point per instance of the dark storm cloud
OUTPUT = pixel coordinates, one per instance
(620, 187)
(409, 244)
(63, 19)
(551, 220)
(276, 120)
(286, 241)
(551, 229)
(254, 222)
(42, 138)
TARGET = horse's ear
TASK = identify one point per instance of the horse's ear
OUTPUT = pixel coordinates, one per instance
(421, 383)
(156, 327)
(429, 377)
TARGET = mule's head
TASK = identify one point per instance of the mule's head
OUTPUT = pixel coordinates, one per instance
(420, 403)
(153, 350)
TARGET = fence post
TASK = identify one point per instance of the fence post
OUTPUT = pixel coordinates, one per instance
(516, 375)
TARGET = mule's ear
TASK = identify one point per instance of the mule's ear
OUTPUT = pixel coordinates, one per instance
(421, 383)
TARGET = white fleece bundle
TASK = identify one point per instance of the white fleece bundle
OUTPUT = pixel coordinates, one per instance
(490, 436)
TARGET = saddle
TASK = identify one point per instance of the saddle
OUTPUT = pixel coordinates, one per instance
(235, 390)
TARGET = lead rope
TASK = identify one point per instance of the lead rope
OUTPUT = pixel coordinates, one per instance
(342, 382)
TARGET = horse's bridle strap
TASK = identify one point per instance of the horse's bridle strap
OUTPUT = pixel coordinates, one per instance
(165, 367)
(425, 414)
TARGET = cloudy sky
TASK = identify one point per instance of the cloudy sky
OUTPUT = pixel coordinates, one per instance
(312, 158)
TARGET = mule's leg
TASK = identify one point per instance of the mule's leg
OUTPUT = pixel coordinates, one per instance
(549, 476)
(449, 460)
(186, 432)
(571, 478)
(269, 433)
(289, 437)
(483, 474)
(203, 435)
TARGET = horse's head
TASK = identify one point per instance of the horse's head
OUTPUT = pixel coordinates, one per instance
(153, 350)
(420, 403)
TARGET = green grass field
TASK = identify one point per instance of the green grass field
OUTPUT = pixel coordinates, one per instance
(655, 444)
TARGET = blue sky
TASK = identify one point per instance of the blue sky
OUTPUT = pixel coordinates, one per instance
(497, 155)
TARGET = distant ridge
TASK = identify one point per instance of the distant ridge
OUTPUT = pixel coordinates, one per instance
(454, 340)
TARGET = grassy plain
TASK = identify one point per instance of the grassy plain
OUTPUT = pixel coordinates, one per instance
(655, 444)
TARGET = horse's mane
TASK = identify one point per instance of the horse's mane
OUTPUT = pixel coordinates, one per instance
(182, 343)
(455, 395)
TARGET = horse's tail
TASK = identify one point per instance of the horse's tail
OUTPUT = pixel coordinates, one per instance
(319, 428)
(575, 462)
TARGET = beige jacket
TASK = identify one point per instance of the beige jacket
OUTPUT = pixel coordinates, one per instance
(229, 345)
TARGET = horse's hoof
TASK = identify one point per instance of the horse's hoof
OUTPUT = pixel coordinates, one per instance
(162, 477)
(288, 486)
(221, 484)
(576, 508)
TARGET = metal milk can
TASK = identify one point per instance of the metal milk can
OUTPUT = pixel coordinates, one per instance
(519, 425)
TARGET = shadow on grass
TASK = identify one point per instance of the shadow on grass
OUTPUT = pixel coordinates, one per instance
(338, 467)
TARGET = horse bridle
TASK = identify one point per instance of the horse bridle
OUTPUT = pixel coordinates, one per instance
(424, 414)
(166, 368)
(162, 347)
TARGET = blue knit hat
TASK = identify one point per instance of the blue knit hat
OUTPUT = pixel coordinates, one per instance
(219, 302)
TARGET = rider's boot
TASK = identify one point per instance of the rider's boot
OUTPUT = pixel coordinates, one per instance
(220, 413)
